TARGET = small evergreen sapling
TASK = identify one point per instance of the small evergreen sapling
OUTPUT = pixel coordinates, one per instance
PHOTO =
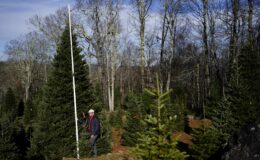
(157, 141)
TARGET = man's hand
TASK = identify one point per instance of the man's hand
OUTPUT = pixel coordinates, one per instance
(91, 136)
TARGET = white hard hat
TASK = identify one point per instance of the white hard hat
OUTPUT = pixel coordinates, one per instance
(91, 111)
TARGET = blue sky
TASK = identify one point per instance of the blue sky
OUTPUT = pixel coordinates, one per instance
(14, 15)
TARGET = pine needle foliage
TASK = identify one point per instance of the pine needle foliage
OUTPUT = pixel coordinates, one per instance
(157, 142)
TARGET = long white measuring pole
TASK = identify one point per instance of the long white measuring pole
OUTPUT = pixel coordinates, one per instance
(74, 88)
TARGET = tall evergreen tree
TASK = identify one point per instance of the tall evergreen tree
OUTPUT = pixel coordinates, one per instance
(54, 135)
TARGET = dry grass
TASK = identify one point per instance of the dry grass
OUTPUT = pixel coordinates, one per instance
(183, 137)
(196, 123)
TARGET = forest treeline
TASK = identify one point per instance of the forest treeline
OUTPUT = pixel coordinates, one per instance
(205, 53)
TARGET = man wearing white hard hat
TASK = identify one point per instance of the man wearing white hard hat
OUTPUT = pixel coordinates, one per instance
(93, 128)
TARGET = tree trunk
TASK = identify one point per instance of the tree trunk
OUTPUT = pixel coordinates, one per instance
(111, 47)
(45, 73)
(206, 49)
(198, 84)
(164, 34)
(141, 34)
(149, 74)
(168, 81)
(172, 21)
(234, 41)
(28, 82)
(122, 89)
(142, 51)
(250, 15)
(113, 68)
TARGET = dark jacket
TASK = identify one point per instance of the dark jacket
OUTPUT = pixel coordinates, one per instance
(93, 127)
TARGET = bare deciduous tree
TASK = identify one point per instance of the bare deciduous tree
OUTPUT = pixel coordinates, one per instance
(52, 25)
(27, 53)
(142, 7)
(250, 24)
(111, 49)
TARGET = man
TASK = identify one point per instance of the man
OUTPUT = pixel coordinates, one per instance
(93, 128)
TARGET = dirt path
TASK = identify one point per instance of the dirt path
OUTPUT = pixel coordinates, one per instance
(109, 156)
(119, 152)
(116, 137)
